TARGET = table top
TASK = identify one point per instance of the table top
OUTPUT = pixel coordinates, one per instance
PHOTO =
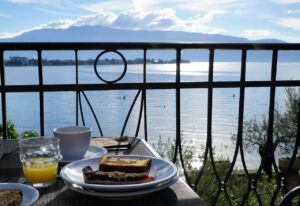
(178, 194)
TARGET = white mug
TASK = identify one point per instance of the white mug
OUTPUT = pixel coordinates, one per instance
(74, 141)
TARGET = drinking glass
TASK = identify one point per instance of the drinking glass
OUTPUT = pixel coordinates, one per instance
(40, 157)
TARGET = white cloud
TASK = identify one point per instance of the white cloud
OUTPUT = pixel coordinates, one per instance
(293, 11)
(286, 1)
(256, 33)
(291, 39)
(109, 6)
(101, 19)
(4, 15)
(150, 5)
(161, 19)
(54, 12)
(8, 35)
(136, 18)
(205, 6)
(59, 24)
(201, 23)
(292, 23)
(30, 1)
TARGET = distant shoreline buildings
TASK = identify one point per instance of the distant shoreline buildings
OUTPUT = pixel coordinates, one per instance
(24, 61)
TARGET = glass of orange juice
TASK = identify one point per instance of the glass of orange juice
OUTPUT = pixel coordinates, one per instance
(40, 157)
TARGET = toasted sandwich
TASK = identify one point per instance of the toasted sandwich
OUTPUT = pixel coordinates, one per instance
(119, 170)
(124, 164)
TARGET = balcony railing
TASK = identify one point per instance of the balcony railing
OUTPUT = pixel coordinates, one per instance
(178, 85)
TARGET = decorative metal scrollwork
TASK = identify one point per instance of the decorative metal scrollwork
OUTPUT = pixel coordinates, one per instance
(124, 70)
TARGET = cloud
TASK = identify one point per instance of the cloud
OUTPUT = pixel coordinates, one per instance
(201, 23)
(8, 35)
(59, 24)
(206, 6)
(56, 3)
(256, 33)
(54, 12)
(161, 19)
(109, 6)
(30, 1)
(166, 19)
(293, 11)
(4, 15)
(150, 5)
(292, 23)
(286, 1)
(101, 19)
(135, 19)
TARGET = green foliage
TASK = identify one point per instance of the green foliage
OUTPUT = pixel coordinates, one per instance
(284, 127)
(13, 134)
(11, 130)
(30, 133)
(208, 186)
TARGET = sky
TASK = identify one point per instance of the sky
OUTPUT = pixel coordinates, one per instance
(252, 19)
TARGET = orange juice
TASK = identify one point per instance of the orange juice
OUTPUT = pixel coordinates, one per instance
(40, 169)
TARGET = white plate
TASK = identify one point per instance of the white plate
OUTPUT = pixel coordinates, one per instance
(93, 151)
(122, 195)
(160, 169)
(30, 194)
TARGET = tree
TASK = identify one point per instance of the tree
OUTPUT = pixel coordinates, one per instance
(284, 131)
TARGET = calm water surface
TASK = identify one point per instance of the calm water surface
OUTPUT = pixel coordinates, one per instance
(111, 107)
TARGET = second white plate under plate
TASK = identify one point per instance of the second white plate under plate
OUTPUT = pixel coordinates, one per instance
(160, 169)
(122, 195)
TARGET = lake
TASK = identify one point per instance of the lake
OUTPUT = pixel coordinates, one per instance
(111, 107)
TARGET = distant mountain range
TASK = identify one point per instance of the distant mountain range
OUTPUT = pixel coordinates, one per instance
(105, 34)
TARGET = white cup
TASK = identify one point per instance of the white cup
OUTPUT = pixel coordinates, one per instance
(74, 141)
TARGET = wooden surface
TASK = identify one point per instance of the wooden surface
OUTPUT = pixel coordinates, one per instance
(178, 194)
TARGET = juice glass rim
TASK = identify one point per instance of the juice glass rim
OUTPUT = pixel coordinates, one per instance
(28, 141)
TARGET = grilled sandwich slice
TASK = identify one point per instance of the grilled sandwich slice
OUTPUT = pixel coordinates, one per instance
(124, 164)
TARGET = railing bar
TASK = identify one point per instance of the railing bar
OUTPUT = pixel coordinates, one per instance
(178, 115)
(93, 112)
(77, 92)
(140, 116)
(144, 94)
(81, 110)
(257, 197)
(148, 86)
(209, 120)
(241, 112)
(270, 149)
(41, 93)
(141, 45)
(241, 123)
(3, 95)
(241, 115)
(177, 104)
(129, 112)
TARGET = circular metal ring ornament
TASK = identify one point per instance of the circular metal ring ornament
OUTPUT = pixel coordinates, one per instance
(124, 70)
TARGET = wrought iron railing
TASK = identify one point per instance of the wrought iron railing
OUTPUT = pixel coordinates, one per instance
(178, 85)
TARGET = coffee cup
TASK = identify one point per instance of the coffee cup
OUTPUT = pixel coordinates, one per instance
(74, 141)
